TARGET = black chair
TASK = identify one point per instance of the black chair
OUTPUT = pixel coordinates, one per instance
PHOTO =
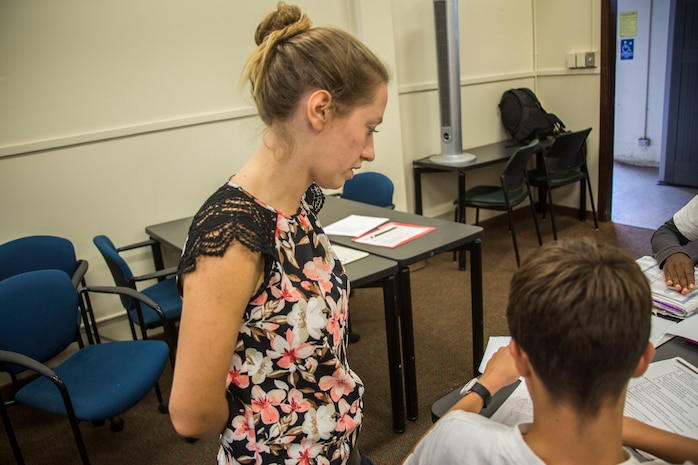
(44, 252)
(564, 163)
(163, 292)
(370, 187)
(95, 383)
(512, 191)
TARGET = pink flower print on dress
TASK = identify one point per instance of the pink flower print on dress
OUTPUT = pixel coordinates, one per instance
(303, 453)
(320, 272)
(346, 421)
(289, 349)
(286, 290)
(266, 403)
(295, 402)
(339, 384)
(336, 321)
(235, 373)
(243, 427)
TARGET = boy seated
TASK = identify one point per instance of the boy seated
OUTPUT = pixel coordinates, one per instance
(579, 315)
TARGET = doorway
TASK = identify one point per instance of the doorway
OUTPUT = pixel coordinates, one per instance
(631, 193)
(638, 200)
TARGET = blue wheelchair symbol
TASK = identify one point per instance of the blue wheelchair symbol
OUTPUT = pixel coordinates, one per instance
(627, 48)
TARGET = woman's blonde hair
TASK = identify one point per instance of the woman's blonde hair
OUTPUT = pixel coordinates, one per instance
(293, 57)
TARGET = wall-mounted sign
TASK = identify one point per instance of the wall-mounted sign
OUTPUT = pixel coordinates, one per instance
(627, 49)
(627, 24)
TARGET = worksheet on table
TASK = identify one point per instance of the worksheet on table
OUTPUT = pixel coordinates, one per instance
(666, 397)
(393, 234)
(354, 225)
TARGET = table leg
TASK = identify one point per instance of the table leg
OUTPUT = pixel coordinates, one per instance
(407, 332)
(156, 248)
(417, 175)
(461, 214)
(392, 331)
(461, 197)
(477, 304)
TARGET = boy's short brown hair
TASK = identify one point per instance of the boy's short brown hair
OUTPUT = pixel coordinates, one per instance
(581, 310)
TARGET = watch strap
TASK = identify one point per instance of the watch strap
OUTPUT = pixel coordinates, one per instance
(482, 391)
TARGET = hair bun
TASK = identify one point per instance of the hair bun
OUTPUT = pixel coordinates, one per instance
(286, 21)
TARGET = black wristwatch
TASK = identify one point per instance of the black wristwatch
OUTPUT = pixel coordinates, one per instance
(479, 389)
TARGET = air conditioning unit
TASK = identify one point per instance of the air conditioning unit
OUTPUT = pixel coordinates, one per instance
(448, 67)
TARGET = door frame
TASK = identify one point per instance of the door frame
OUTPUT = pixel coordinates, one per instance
(609, 15)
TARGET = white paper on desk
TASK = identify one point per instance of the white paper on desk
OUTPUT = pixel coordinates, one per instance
(687, 328)
(348, 255)
(493, 344)
(518, 408)
(354, 225)
(666, 397)
(661, 330)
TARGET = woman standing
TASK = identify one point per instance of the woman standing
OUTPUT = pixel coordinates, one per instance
(262, 345)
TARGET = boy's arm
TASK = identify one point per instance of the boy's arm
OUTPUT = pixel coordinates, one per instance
(499, 372)
(667, 247)
(667, 446)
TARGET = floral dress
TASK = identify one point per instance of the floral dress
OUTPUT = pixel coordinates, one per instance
(293, 398)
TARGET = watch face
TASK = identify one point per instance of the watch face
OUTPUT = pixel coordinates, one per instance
(468, 387)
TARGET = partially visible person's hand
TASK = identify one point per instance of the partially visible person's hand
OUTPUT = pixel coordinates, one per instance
(679, 273)
(500, 370)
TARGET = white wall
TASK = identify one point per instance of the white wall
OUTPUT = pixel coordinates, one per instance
(503, 44)
(117, 117)
(640, 85)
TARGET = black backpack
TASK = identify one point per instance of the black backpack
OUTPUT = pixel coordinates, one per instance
(524, 117)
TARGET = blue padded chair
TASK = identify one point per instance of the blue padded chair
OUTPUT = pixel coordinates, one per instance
(96, 383)
(512, 191)
(374, 189)
(164, 292)
(370, 187)
(43, 252)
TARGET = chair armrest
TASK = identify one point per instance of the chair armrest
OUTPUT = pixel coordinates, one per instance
(27, 362)
(167, 325)
(137, 245)
(156, 274)
(79, 273)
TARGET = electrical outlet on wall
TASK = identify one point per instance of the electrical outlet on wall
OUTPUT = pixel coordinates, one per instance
(643, 142)
(590, 59)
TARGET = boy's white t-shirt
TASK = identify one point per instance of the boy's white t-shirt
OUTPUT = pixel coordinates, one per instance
(469, 438)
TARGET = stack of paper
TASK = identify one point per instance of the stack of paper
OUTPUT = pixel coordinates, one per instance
(667, 300)
(347, 255)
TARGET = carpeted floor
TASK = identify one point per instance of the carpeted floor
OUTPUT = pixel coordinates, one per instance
(441, 303)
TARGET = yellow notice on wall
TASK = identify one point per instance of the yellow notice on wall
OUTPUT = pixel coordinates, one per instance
(627, 24)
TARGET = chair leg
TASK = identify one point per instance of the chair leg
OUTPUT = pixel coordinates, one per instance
(552, 214)
(535, 218)
(593, 208)
(10, 433)
(90, 321)
(513, 236)
(582, 201)
(78, 439)
(542, 200)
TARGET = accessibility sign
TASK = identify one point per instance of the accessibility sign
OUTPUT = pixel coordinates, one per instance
(627, 49)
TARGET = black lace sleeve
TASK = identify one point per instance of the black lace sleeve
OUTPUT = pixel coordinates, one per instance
(227, 215)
